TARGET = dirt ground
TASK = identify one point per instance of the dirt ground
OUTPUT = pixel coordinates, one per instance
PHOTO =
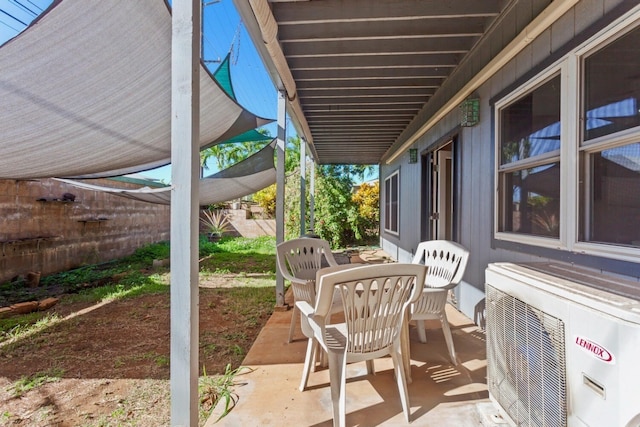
(108, 365)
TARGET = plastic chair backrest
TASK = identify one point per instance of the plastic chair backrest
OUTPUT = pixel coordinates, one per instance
(446, 260)
(374, 299)
(302, 257)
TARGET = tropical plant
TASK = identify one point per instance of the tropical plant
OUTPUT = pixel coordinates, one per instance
(266, 199)
(340, 218)
(544, 215)
(366, 223)
(334, 208)
(220, 388)
(216, 222)
(227, 154)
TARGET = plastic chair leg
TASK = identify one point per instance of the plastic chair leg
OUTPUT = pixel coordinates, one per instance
(322, 358)
(446, 330)
(371, 370)
(319, 358)
(309, 360)
(337, 373)
(402, 381)
(294, 321)
(422, 335)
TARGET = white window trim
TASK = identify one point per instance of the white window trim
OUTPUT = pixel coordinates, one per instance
(570, 110)
(610, 250)
(386, 196)
(528, 87)
(569, 170)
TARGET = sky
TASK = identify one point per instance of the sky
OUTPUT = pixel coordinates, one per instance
(16, 14)
(222, 32)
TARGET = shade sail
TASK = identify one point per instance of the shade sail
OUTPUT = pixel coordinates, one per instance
(223, 77)
(245, 177)
(86, 92)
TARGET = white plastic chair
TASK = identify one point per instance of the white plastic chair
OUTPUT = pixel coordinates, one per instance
(298, 261)
(447, 262)
(375, 300)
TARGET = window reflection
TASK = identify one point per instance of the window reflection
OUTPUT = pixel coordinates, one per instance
(615, 196)
(612, 87)
(531, 125)
(532, 201)
(391, 205)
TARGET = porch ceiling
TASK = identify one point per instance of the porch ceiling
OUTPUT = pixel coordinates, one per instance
(364, 69)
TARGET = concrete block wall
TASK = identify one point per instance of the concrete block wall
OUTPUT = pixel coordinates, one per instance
(245, 224)
(39, 231)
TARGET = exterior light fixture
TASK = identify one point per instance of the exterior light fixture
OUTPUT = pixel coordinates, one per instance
(470, 112)
(413, 155)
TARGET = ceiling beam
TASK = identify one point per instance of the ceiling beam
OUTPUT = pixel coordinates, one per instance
(368, 47)
(357, 125)
(338, 97)
(371, 139)
(381, 61)
(369, 109)
(368, 84)
(409, 74)
(368, 10)
(360, 116)
(464, 27)
(357, 102)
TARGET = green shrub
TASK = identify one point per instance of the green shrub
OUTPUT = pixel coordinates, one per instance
(266, 199)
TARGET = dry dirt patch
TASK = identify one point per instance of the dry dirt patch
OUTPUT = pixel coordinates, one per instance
(110, 366)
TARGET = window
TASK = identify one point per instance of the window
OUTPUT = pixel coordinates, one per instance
(529, 152)
(610, 146)
(391, 203)
(612, 87)
(568, 151)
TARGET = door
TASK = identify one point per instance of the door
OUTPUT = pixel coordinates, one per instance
(438, 193)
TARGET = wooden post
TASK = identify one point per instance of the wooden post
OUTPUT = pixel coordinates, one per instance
(312, 196)
(303, 186)
(185, 135)
(280, 172)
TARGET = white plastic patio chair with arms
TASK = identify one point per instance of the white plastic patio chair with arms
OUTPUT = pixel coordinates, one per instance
(375, 300)
(298, 261)
(447, 262)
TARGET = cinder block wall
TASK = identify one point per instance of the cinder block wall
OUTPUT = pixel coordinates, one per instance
(41, 232)
(244, 225)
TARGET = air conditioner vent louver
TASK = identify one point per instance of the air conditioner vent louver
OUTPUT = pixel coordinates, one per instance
(526, 361)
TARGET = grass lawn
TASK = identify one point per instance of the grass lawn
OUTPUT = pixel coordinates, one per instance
(100, 356)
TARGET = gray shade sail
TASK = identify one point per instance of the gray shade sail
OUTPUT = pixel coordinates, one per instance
(245, 177)
(86, 92)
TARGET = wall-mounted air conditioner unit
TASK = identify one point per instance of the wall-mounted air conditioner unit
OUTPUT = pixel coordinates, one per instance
(563, 345)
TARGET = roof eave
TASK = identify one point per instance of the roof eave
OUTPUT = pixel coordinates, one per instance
(246, 11)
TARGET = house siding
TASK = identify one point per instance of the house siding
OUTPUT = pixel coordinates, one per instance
(476, 145)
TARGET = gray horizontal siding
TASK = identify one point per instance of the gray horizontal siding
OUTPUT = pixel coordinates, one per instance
(476, 143)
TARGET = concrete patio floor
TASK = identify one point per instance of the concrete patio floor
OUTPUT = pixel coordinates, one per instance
(441, 394)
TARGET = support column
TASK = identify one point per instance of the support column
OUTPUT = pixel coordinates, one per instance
(280, 182)
(303, 186)
(185, 135)
(312, 196)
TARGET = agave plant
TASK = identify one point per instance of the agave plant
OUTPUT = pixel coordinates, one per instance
(216, 222)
